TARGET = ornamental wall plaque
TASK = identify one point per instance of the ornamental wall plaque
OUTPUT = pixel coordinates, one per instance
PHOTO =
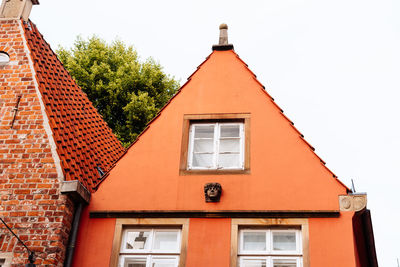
(212, 192)
(353, 202)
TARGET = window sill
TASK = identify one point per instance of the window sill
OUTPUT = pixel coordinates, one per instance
(213, 172)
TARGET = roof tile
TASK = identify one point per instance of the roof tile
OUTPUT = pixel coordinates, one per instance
(83, 139)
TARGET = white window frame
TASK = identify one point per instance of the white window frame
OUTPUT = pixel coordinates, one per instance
(150, 253)
(150, 259)
(216, 146)
(270, 260)
(269, 255)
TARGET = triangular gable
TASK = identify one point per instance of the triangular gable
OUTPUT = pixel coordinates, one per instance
(283, 164)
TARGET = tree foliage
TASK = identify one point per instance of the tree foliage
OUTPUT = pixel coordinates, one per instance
(127, 92)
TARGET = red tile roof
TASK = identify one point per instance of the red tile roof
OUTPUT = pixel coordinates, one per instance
(83, 139)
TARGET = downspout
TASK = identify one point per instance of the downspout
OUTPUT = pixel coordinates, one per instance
(73, 234)
(370, 240)
(80, 196)
(364, 238)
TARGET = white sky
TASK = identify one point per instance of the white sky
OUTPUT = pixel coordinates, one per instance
(332, 66)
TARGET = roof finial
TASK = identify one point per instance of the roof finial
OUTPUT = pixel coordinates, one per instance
(223, 34)
(223, 39)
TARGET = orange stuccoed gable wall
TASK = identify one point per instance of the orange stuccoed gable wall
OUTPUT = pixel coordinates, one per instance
(285, 175)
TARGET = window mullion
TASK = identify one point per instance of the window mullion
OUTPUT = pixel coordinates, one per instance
(299, 245)
(148, 261)
(152, 233)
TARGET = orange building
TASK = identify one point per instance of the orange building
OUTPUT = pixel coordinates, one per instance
(222, 178)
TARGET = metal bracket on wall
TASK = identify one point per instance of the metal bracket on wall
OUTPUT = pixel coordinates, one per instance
(15, 110)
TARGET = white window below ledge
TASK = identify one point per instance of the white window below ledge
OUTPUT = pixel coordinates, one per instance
(269, 261)
(270, 248)
(216, 146)
(150, 248)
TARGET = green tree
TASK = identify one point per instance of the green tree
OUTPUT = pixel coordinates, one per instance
(128, 93)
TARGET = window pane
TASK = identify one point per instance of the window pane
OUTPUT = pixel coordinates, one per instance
(230, 130)
(285, 263)
(204, 145)
(229, 160)
(135, 262)
(165, 262)
(204, 131)
(166, 240)
(137, 240)
(254, 241)
(253, 263)
(284, 241)
(229, 145)
(4, 58)
(203, 160)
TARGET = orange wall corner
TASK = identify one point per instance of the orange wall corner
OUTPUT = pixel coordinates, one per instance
(94, 242)
(331, 241)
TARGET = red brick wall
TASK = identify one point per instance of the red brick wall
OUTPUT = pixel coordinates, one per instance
(30, 200)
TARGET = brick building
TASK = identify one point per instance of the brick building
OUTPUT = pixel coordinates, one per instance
(53, 143)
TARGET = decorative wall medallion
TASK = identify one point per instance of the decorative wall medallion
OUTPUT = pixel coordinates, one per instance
(353, 202)
(346, 203)
(359, 202)
(212, 192)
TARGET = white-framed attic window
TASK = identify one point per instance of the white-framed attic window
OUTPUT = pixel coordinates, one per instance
(216, 146)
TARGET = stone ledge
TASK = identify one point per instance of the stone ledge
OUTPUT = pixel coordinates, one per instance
(353, 202)
(76, 191)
